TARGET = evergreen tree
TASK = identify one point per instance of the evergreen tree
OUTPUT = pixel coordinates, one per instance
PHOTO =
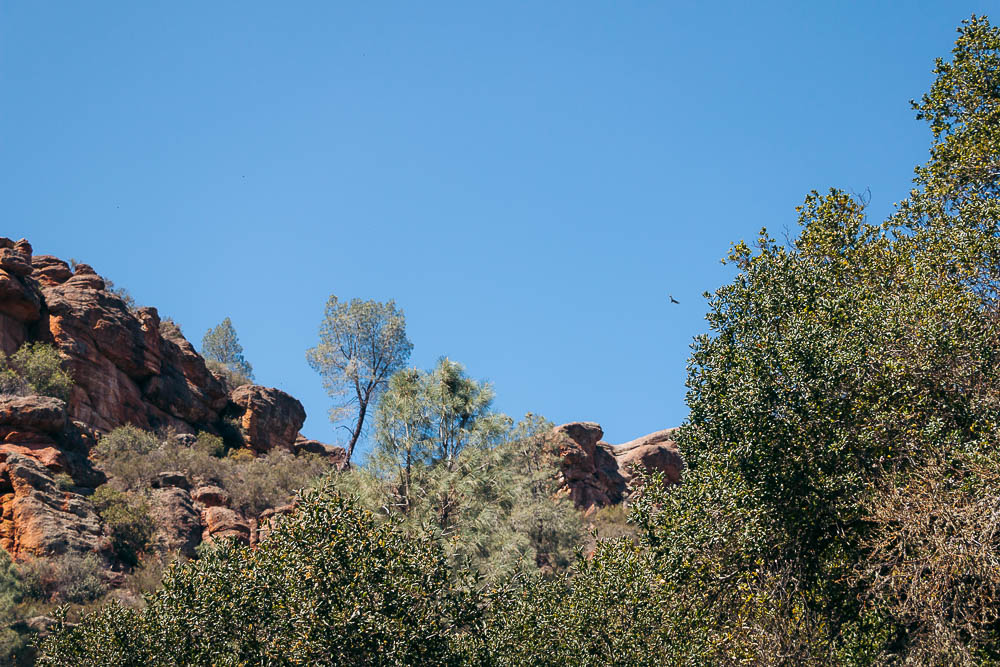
(221, 345)
(445, 461)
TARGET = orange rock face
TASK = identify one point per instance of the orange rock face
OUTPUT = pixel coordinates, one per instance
(128, 367)
(269, 418)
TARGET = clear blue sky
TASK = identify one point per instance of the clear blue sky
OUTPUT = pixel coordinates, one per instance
(527, 180)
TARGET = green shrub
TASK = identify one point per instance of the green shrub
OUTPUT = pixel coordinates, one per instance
(36, 368)
(64, 482)
(67, 578)
(127, 521)
(210, 444)
(129, 455)
(133, 459)
(332, 585)
(12, 592)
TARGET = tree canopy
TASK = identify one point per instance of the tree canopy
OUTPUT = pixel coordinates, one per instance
(221, 345)
(361, 344)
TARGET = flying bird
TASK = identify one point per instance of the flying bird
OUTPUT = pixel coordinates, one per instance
(672, 299)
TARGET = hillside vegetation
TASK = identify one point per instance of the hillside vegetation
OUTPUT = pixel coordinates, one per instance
(840, 504)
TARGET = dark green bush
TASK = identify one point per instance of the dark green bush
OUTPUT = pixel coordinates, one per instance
(67, 578)
(332, 586)
(127, 521)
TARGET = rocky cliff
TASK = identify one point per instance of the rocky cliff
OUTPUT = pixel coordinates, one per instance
(128, 367)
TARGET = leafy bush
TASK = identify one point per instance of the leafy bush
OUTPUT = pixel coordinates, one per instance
(332, 585)
(12, 591)
(64, 482)
(36, 368)
(127, 520)
(445, 461)
(210, 444)
(609, 612)
(66, 578)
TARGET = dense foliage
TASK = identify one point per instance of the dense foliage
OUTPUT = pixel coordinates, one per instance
(332, 585)
(133, 458)
(445, 462)
(126, 519)
(35, 368)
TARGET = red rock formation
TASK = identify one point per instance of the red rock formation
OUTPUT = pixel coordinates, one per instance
(596, 474)
(178, 523)
(128, 367)
(223, 522)
(211, 496)
(269, 418)
(336, 455)
(39, 519)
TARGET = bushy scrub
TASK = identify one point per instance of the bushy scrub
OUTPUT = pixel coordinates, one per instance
(134, 458)
(12, 592)
(332, 585)
(445, 462)
(68, 578)
(127, 521)
(36, 368)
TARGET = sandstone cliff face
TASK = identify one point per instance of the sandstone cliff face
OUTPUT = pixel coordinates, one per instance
(596, 474)
(128, 367)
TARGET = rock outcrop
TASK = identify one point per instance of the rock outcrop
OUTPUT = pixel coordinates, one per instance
(597, 474)
(268, 418)
(335, 455)
(128, 367)
(41, 520)
(178, 523)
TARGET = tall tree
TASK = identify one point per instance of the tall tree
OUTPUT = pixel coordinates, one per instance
(444, 461)
(361, 344)
(222, 345)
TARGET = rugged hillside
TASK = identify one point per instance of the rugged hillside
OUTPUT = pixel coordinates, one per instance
(128, 367)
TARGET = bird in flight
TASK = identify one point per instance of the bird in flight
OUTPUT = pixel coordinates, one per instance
(672, 299)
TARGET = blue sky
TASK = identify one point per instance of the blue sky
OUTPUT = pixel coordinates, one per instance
(527, 180)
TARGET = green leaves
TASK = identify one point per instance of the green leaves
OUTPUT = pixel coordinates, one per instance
(221, 345)
(361, 344)
(330, 586)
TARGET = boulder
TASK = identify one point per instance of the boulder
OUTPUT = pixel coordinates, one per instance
(336, 455)
(211, 496)
(222, 522)
(178, 523)
(656, 451)
(41, 414)
(40, 520)
(50, 271)
(19, 298)
(172, 478)
(268, 418)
